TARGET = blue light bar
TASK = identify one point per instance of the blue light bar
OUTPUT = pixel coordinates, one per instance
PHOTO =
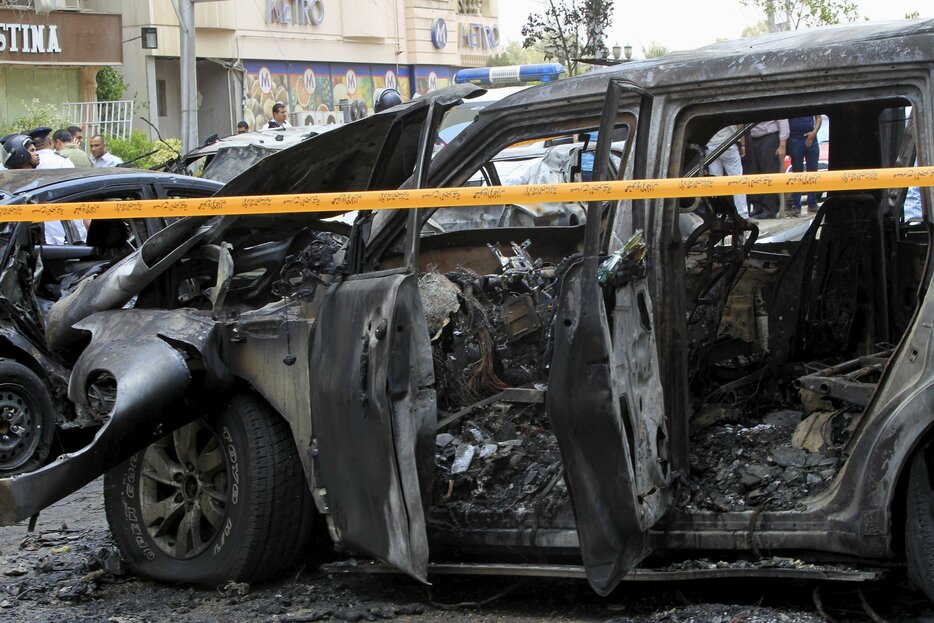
(513, 74)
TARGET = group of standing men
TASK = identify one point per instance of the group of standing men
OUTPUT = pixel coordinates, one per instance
(762, 150)
(42, 148)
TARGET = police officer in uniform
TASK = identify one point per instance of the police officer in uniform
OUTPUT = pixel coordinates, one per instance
(48, 157)
(20, 152)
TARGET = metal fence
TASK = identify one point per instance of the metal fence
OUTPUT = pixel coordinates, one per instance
(113, 118)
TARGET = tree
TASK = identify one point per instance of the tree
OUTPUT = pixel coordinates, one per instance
(37, 115)
(569, 30)
(110, 85)
(515, 54)
(755, 30)
(655, 49)
(146, 153)
(806, 13)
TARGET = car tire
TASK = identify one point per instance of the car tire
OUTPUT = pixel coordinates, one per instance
(27, 419)
(223, 498)
(919, 525)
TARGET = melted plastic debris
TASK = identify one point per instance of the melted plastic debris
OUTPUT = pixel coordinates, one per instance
(738, 467)
(513, 477)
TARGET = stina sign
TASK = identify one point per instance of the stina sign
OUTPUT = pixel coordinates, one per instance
(29, 38)
(295, 12)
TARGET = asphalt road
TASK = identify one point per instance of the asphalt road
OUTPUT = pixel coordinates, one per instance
(67, 570)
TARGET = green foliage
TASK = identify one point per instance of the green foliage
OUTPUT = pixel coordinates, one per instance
(38, 115)
(569, 30)
(139, 145)
(110, 85)
(654, 49)
(755, 30)
(807, 13)
(515, 54)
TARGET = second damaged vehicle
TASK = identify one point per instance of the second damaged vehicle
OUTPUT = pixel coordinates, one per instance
(600, 386)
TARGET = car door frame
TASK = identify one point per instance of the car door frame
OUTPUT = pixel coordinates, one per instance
(374, 415)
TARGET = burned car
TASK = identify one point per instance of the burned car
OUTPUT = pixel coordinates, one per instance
(228, 156)
(605, 386)
(40, 263)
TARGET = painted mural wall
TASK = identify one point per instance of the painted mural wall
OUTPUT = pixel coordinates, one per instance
(329, 93)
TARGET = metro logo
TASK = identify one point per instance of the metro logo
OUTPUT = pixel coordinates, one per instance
(265, 80)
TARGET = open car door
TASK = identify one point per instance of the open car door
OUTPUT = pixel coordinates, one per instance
(373, 404)
(608, 435)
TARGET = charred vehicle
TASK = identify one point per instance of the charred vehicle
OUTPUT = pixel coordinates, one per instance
(229, 156)
(36, 269)
(605, 385)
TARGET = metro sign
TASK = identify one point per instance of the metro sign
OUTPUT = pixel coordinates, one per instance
(295, 12)
(265, 80)
(439, 33)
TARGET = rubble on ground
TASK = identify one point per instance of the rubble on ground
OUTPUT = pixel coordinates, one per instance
(726, 613)
(500, 468)
(752, 464)
(497, 462)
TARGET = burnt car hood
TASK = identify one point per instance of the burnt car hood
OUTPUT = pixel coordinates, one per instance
(375, 153)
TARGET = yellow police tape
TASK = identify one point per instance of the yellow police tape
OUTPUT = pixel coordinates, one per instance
(861, 179)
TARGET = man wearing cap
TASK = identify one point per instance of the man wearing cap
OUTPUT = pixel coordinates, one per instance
(48, 157)
(65, 145)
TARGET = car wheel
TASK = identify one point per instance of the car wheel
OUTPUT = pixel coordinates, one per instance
(919, 525)
(223, 498)
(27, 419)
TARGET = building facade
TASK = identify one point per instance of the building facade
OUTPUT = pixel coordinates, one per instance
(51, 51)
(324, 59)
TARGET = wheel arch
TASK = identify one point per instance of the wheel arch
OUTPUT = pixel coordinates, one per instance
(15, 348)
(897, 512)
(917, 429)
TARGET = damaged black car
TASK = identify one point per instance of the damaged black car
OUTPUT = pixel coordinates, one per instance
(39, 264)
(604, 388)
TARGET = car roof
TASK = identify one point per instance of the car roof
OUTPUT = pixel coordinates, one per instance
(274, 139)
(17, 182)
(838, 47)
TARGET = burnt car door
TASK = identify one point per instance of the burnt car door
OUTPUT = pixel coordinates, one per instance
(373, 401)
(594, 397)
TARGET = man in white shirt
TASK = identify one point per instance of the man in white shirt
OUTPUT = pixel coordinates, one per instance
(730, 162)
(279, 117)
(100, 157)
(65, 232)
(48, 157)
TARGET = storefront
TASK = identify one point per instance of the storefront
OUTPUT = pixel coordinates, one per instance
(424, 49)
(324, 59)
(49, 58)
(317, 93)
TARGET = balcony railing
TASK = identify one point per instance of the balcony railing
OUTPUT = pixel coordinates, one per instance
(114, 118)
